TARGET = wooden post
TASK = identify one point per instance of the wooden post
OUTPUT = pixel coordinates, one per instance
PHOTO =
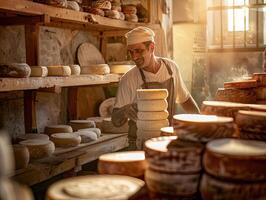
(72, 103)
(31, 43)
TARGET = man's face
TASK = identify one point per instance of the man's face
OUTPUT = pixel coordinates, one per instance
(140, 54)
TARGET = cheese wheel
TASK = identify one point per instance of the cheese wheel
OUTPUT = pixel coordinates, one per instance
(152, 105)
(95, 187)
(242, 84)
(122, 16)
(57, 3)
(203, 128)
(39, 148)
(167, 131)
(59, 70)
(234, 159)
(113, 14)
(130, 163)
(75, 69)
(236, 95)
(212, 188)
(57, 129)
(252, 121)
(148, 94)
(6, 156)
(100, 69)
(21, 155)
(87, 136)
(96, 11)
(261, 93)
(16, 70)
(120, 69)
(116, 7)
(108, 127)
(173, 184)
(102, 4)
(38, 71)
(106, 107)
(73, 5)
(129, 9)
(29, 136)
(260, 78)
(81, 124)
(144, 135)
(152, 125)
(66, 139)
(159, 115)
(252, 135)
(220, 108)
(131, 17)
(257, 107)
(98, 121)
(171, 155)
(95, 130)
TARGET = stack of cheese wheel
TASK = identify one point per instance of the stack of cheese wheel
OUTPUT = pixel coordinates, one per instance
(66, 139)
(95, 187)
(220, 108)
(81, 124)
(152, 114)
(49, 130)
(261, 87)
(252, 124)
(235, 169)
(203, 128)
(174, 166)
(129, 163)
(167, 131)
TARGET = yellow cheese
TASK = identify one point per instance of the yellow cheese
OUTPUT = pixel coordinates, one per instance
(58, 129)
(75, 69)
(152, 105)
(148, 94)
(38, 71)
(59, 70)
(66, 139)
(159, 115)
(120, 69)
(100, 69)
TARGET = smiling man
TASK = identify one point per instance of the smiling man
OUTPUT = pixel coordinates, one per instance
(150, 72)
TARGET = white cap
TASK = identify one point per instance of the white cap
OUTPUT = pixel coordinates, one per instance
(139, 35)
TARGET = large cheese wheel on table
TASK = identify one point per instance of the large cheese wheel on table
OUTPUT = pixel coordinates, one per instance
(148, 94)
(159, 115)
(173, 184)
(49, 130)
(81, 124)
(152, 105)
(242, 84)
(94, 187)
(212, 188)
(87, 136)
(21, 155)
(260, 78)
(129, 163)
(236, 159)
(236, 95)
(39, 148)
(66, 139)
(203, 128)
(220, 108)
(171, 155)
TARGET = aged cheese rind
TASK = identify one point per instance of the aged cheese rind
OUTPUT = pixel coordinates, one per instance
(75, 69)
(29, 136)
(95, 130)
(81, 124)
(38, 71)
(159, 115)
(57, 129)
(152, 105)
(167, 131)
(16, 70)
(260, 78)
(87, 136)
(236, 95)
(150, 94)
(59, 70)
(65, 139)
(100, 69)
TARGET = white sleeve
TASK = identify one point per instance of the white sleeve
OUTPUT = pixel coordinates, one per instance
(123, 94)
(182, 91)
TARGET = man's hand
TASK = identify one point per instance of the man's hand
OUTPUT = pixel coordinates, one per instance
(121, 115)
(130, 111)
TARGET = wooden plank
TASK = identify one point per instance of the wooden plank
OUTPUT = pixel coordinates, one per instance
(11, 84)
(21, 20)
(30, 111)
(72, 103)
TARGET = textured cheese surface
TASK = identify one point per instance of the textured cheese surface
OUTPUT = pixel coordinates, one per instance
(59, 71)
(66, 139)
(124, 156)
(38, 71)
(95, 130)
(152, 105)
(100, 69)
(95, 187)
(198, 118)
(87, 136)
(81, 124)
(159, 144)
(120, 69)
(58, 129)
(75, 69)
(21, 155)
(29, 136)
(34, 142)
(159, 115)
(237, 147)
(241, 84)
(146, 94)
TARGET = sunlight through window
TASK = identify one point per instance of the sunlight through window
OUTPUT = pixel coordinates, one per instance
(241, 16)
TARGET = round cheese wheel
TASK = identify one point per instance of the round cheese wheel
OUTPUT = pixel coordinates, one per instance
(73, 5)
(260, 78)
(16, 70)
(99, 69)
(38, 71)
(39, 148)
(95, 130)
(261, 93)
(173, 184)
(106, 107)
(236, 159)
(220, 108)
(6, 156)
(59, 70)
(144, 135)
(129, 9)
(57, 129)
(96, 11)
(75, 69)
(108, 127)
(95, 187)
(29, 136)
(102, 4)
(152, 125)
(21, 155)
(236, 95)
(116, 7)
(113, 14)
(152, 105)
(120, 69)
(171, 155)
(147, 94)
(87, 136)
(203, 128)
(257, 107)
(66, 139)
(242, 84)
(167, 131)
(81, 124)
(252, 121)
(129, 163)
(57, 3)
(131, 17)
(159, 115)
(263, 102)
(212, 188)
(122, 16)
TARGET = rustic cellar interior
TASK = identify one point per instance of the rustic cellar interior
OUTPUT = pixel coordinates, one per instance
(73, 125)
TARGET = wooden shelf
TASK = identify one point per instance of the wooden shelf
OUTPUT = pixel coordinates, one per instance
(23, 11)
(32, 83)
(67, 159)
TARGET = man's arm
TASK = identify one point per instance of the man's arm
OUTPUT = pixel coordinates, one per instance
(121, 115)
(190, 106)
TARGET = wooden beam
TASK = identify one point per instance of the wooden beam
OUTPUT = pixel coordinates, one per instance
(21, 20)
(55, 89)
(72, 103)
(29, 111)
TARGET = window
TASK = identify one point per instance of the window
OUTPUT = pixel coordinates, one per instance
(236, 24)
